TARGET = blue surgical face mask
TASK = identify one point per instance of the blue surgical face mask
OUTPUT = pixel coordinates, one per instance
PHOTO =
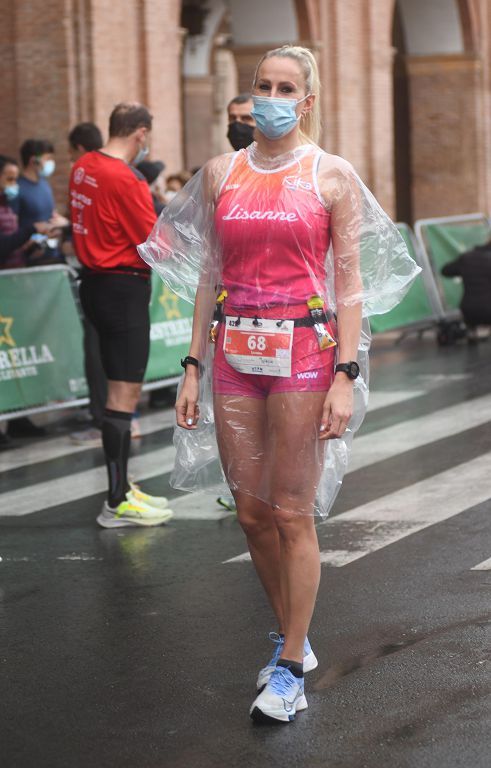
(11, 191)
(47, 169)
(275, 117)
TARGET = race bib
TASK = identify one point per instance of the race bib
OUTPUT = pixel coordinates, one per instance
(263, 348)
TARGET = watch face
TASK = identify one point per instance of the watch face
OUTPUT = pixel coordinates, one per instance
(354, 370)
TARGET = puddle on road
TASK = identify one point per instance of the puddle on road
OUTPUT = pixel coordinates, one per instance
(344, 668)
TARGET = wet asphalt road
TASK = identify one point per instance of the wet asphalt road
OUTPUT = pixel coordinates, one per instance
(140, 648)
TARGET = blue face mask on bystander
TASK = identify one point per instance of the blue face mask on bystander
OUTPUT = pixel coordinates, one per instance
(275, 117)
(11, 192)
(47, 168)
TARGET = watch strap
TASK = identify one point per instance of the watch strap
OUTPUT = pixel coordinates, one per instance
(189, 360)
(351, 369)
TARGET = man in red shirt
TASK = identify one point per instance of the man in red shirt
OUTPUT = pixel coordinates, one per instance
(112, 211)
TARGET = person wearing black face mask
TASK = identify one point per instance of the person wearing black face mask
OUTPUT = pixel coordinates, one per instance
(241, 123)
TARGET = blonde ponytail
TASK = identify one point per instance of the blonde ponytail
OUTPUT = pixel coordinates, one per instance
(310, 122)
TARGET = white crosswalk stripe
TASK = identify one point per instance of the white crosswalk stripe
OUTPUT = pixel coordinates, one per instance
(55, 447)
(381, 399)
(352, 534)
(367, 450)
(484, 566)
(408, 435)
(390, 518)
(62, 490)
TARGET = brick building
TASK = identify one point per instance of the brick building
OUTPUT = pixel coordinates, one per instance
(406, 83)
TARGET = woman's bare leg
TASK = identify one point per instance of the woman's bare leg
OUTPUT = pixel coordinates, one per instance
(241, 433)
(294, 420)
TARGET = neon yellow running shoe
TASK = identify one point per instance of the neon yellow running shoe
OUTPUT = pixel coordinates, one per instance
(136, 495)
(132, 513)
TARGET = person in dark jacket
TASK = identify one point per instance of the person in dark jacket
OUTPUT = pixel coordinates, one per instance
(474, 267)
(153, 172)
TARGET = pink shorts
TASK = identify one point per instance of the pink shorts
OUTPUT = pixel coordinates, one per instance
(312, 369)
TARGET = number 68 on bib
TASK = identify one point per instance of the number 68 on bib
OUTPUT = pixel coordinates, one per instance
(260, 347)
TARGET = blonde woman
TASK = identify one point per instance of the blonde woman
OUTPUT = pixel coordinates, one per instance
(272, 237)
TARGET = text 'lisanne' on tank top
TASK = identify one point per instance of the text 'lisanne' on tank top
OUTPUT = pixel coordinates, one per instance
(274, 231)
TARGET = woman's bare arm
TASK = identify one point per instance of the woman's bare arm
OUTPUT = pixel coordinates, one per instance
(343, 198)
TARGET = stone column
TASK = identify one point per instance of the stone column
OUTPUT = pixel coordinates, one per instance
(198, 108)
(356, 74)
(8, 123)
(444, 133)
(162, 71)
(380, 107)
(483, 13)
(136, 56)
(36, 79)
(64, 61)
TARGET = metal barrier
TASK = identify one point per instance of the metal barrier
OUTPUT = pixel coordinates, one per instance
(418, 310)
(442, 240)
(41, 349)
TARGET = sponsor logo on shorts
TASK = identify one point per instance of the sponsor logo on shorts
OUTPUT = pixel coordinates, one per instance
(308, 375)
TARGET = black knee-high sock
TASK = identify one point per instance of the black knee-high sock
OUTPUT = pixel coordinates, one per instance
(116, 437)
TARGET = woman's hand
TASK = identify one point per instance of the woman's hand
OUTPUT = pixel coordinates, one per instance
(187, 410)
(338, 408)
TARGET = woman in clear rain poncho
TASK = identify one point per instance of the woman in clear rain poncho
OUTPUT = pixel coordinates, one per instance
(284, 251)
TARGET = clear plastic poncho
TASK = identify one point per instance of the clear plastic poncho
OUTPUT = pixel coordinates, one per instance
(269, 234)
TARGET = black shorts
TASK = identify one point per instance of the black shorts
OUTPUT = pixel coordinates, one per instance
(117, 307)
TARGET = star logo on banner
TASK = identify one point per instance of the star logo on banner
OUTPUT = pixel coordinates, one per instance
(5, 326)
(170, 303)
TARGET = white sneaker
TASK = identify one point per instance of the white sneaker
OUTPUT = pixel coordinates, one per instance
(282, 698)
(136, 495)
(131, 513)
(309, 660)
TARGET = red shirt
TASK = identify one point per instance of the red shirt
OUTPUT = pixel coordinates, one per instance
(111, 210)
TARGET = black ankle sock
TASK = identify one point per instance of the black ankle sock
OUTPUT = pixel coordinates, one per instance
(116, 437)
(295, 667)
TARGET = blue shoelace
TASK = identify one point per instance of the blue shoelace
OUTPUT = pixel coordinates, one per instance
(282, 681)
(279, 641)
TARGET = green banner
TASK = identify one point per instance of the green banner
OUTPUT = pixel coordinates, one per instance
(171, 321)
(444, 243)
(415, 307)
(40, 339)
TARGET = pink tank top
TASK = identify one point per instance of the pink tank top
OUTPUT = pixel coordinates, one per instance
(274, 232)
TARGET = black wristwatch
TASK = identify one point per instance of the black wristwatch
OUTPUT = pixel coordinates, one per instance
(351, 369)
(188, 360)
